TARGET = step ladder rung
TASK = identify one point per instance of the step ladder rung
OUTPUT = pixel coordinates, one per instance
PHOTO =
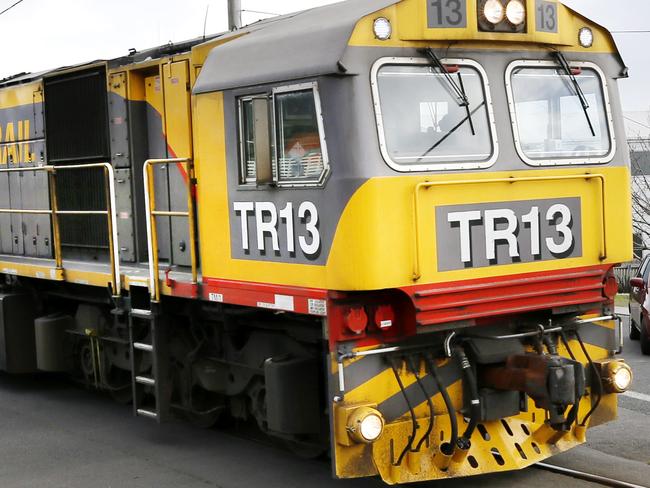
(141, 314)
(142, 347)
(145, 380)
(147, 413)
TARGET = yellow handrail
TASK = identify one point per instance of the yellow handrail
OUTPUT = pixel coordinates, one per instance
(428, 184)
(152, 213)
(54, 212)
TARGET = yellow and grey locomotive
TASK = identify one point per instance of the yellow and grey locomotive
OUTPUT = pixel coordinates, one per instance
(381, 228)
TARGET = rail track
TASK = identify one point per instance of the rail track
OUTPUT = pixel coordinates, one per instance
(591, 477)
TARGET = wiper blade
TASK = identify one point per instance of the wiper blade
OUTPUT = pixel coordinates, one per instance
(452, 131)
(457, 88)
(564, 64)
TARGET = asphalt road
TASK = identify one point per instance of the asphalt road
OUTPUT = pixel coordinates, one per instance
(55, 434)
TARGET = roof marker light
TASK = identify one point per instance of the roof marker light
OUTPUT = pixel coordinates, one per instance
(382, 28)
(586, 37)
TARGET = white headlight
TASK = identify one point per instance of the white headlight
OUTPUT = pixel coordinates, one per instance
(383, 29)
(371, 427)
(622, 379)
(586, 37)
(516, 12)
(365, 425)
(493, 11)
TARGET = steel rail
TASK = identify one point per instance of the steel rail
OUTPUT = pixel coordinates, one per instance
(417, 271)
(582, 475)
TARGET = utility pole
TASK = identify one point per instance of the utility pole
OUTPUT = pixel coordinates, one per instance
(234, 14)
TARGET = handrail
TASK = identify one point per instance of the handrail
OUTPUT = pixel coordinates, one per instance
(54, 212)
(152, 213)
(428, 184)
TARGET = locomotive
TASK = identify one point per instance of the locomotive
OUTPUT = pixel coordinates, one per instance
(379, 229)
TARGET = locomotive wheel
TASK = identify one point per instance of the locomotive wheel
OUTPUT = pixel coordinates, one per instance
(122, 395)
(203, 420)
(210, 407)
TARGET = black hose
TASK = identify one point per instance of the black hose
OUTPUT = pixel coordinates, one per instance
(445, 396)
(596, 377)
(464, 441)
(429, 402)
(565, 341)
(572, 416)
(409, 444)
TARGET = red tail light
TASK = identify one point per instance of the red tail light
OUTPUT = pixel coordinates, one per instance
(610, 286)
(384, 317)
(356, 320)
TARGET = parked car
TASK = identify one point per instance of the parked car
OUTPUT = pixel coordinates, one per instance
(640, 306)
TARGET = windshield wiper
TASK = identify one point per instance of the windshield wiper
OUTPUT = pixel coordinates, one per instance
(458, 89)
(452, 131)
(564, 64)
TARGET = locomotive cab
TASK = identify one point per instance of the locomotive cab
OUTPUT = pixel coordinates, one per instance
(468, 213)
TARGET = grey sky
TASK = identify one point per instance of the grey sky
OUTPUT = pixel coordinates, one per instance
(43, 34)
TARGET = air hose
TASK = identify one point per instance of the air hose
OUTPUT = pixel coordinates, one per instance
(453, 441)
(464, 442)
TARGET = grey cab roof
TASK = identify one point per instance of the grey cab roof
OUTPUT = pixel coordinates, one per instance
(300, 45)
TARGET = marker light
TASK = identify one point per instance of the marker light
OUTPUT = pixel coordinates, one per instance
(586, 37)
(493, 11)
(516, 12)
(384, 317)
(383, 29)
(365, 425)
(356, 320)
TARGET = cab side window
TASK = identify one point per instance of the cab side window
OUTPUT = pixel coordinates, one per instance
(247, 140)
(298, 151)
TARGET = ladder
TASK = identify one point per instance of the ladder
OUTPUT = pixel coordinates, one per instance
(149, 364)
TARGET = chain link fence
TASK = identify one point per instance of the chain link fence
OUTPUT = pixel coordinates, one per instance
(624, 274)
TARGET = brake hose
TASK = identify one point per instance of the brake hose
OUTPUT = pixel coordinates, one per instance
(445, 396)
(409, 444)
(596, 376)
(464, 442)
(414, 370)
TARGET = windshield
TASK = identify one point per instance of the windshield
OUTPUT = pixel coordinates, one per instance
(424, 121)
(550, 117)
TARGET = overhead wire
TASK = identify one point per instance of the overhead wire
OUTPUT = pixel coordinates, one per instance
(636, 122)
(11, 6)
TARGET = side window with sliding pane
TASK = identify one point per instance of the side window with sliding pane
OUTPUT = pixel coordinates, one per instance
(247, 141)
(300, 156)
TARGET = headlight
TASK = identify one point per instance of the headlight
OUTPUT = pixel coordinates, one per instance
(586, 37)
(516, 12)
(618, 377)
(382, 28)
(365, 425)
(622, 378)
(493, 11)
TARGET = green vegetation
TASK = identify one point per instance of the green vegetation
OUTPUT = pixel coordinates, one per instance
(622, 300)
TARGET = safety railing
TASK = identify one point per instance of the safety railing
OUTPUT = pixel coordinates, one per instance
(55, 213)
(152, 213)
(417, 273)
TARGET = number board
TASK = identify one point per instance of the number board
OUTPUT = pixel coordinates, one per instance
(447, 13)
(495, 234)
(547, 16)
